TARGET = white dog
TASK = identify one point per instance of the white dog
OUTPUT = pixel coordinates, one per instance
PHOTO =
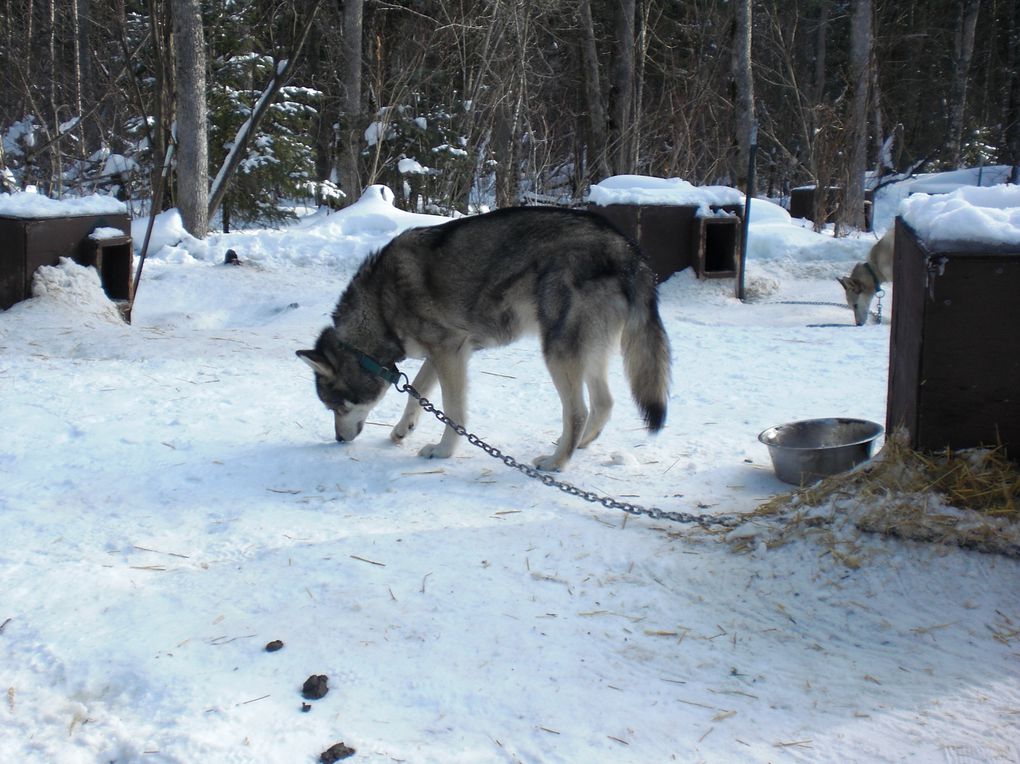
(866, 279)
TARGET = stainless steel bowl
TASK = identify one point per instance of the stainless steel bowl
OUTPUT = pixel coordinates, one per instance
(807, 451)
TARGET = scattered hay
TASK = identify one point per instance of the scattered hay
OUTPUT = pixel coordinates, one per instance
(969, 499)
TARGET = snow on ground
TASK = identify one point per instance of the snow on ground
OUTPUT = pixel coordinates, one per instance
(172, 500)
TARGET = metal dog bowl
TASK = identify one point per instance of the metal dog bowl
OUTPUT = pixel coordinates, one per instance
(807, 451)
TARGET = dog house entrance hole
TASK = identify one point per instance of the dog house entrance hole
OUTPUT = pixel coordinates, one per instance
(718, 246)
(112, 257)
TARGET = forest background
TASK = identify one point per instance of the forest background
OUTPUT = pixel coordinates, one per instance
(231, 110)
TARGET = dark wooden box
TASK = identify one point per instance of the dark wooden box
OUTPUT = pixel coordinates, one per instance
(954, 370)
(28, 243)
(674, 237)
(802, 204)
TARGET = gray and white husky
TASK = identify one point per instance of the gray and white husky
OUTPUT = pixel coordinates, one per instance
(443, 292)
(866, 279)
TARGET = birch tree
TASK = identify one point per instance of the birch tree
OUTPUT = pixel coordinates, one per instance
(744, 87)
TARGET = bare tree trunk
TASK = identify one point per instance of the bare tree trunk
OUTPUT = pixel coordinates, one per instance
(192, 146)
(350, 141)
(851, 212)
(821, 54)
(621, 133)
(56, 169)
(1011, 117)
(597, 143)
(91, 133)
(159, 133)
(744, 106)
(882, 162)
(79, 107)
(642, 40)
(963, 52)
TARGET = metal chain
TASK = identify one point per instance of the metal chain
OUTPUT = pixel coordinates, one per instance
(705, 521)
(878, 315)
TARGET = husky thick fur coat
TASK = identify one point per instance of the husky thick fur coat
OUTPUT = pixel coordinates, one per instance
(443, 292)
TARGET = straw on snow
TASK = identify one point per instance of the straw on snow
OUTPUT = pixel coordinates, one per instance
(969, 499)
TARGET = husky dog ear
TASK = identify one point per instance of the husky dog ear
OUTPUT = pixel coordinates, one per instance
(317, 361)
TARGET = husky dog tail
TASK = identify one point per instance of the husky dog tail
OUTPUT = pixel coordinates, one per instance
(646, 355)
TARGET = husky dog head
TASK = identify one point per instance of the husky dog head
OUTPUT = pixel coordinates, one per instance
(345, 387)
(860, 287)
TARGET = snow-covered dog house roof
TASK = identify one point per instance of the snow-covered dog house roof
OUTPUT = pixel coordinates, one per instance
(968, 218)
(676, 223)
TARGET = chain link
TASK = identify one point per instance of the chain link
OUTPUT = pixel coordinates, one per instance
(706, 521)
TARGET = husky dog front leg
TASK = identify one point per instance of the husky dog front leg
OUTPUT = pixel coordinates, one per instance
(451, 369)
(424, 381)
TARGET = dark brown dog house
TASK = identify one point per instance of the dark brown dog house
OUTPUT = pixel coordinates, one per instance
(954, 371)
(27, 243)
(674, 237)
(802, 204)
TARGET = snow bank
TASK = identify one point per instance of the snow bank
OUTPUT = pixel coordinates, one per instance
(766, 212)
(167, 230)
(77, 286)
(968, 217)
(28, 204)
(945, 182)
(641, 189)
(375, 214)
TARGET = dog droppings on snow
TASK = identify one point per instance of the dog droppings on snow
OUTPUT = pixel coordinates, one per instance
(315, 687)
(336, 752)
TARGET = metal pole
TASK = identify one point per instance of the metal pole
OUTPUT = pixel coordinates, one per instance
(752, 150)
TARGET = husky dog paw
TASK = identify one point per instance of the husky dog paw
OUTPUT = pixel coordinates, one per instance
(401, 430)
(548, 463)
(435, 451)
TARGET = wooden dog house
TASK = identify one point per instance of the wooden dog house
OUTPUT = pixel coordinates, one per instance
(26, 243)
(954, 372)
(674, 237)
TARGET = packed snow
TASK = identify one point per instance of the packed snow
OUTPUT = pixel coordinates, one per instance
(641, 189)
(172, 500)
(31, 204)
(966, 217)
